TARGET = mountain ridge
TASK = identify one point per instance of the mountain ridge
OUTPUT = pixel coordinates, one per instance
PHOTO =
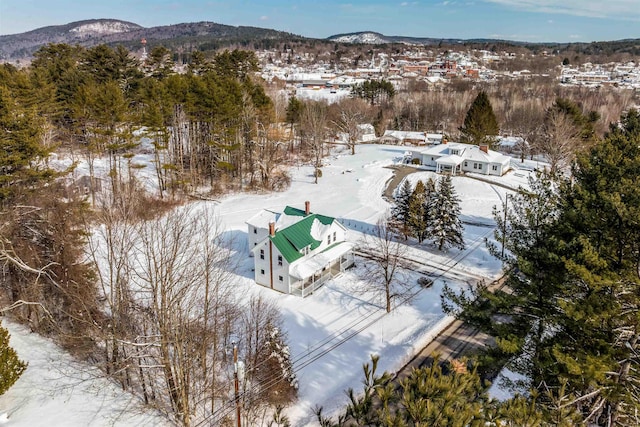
(206, 35)
(88, 33)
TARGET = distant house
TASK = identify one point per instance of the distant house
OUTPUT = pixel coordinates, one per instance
(401, 137)
(433, 138)
(314, 84)
(296, 251)
(366, 132)
(456, 157)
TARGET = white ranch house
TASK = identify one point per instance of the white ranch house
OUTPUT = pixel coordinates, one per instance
(401, 137)
(456, 158)
(296, 251)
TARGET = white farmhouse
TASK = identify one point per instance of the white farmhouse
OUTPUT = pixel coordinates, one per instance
(456, 157)
(296, 251)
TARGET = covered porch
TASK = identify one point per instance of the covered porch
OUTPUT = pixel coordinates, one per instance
(310, 274)
(449, 164)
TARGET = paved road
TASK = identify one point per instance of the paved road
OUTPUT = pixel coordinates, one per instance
(455, 341)
(400, 172)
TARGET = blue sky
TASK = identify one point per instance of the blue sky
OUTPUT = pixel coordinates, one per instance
(523, 20)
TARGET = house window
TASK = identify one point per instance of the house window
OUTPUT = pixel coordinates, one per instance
(475, 166)
(279, 259)
(465, 164)
(255, 230)
(334, 236)
(480, 166)
(280, 278)
(494, 167)
(432, 159)
(261, 253)
(262, 272)
(329, 239)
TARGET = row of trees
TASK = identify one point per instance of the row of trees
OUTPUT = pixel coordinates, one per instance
(429, 213)
(568, 318)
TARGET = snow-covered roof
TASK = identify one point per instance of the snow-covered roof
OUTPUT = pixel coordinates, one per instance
(450, 160)
(464, 151)
(306, 267)
(401, 134)
(476, 154)
(510, 141)
(263, 218)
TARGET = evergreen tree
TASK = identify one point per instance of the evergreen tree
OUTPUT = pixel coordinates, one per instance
(374, 91)
(431, 195)
(598, 341)
(480, 123)
(525, 231)
(417, 218)
(446, 228)
(278, 369)
(21, 154)
(11, 367)
(446, 394)
(400, 212)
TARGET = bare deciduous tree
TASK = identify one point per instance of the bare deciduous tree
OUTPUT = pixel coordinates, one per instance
(314, 131)
(559, 141)
(386, 278)
(351, 115)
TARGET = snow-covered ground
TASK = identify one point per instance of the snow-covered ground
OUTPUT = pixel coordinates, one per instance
(56, 390)
(332, 332)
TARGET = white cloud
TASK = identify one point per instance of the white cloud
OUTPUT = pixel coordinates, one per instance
(575, 36)
(550, 21)
(404, 3)
(264, 18)
(619, 9)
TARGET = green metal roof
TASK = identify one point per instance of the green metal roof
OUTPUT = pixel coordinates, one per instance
(288, 210)
(291, 240)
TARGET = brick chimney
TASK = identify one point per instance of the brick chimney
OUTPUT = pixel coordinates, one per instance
(484, 148)
(307, 207)
(272, 228)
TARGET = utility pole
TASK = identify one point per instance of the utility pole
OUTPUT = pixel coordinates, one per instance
(504, 225)
(236, 383)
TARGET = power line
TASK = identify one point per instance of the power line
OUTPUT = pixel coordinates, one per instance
(379, 315)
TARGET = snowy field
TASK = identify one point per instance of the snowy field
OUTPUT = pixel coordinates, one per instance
(332, 332)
